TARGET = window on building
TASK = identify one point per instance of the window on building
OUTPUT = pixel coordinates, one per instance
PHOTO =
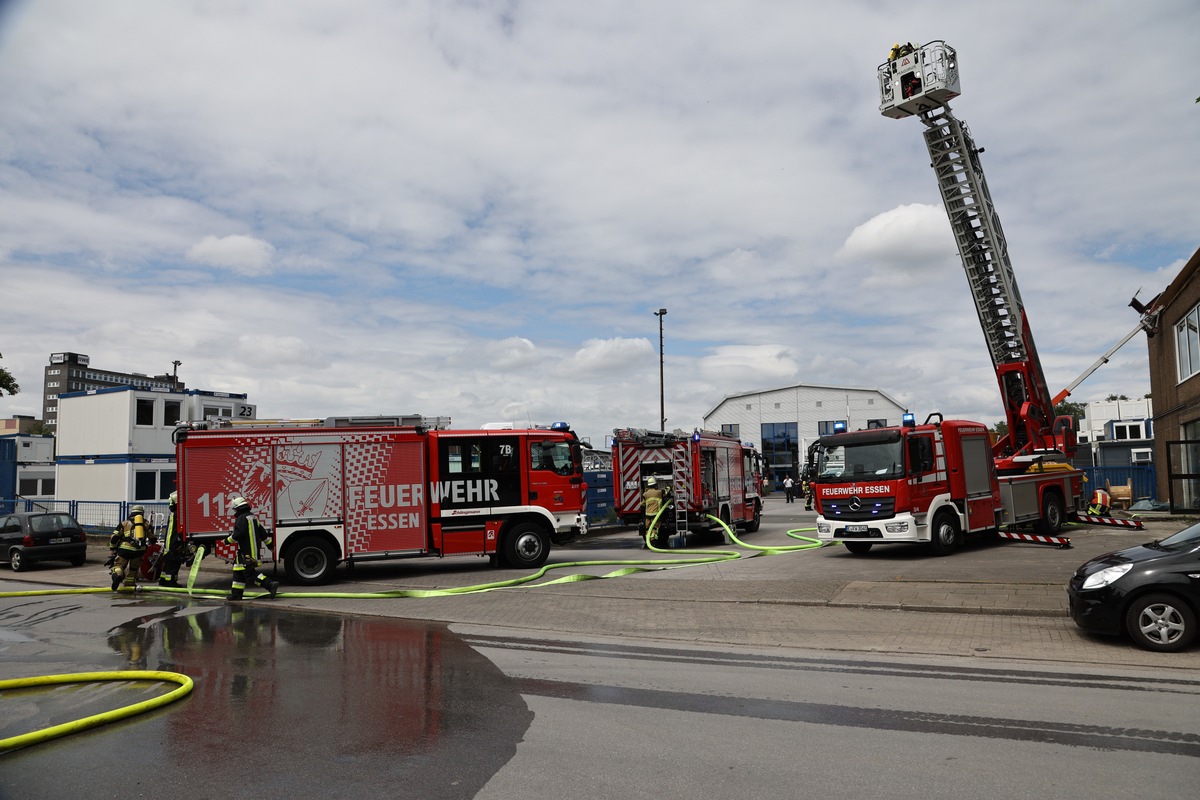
(1127, 430)
(877, 423)
(777, 405)
(1187, 344)
(166, 484)
(171, 412)
(145, 411)
(780, 451)
(825, 426)
(27, 487)
(818, 404)
(749, 406)
(733, 430)
(145, 485)
(214, 412)
(1141, 455)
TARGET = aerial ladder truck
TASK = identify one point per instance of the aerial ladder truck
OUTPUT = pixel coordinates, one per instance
(936, 481)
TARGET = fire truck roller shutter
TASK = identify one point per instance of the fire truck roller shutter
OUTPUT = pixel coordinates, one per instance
(526, 545)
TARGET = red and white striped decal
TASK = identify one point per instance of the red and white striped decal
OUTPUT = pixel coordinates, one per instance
(1135, 524)
(1060, 541)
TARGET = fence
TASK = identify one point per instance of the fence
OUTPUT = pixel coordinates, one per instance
(1144, 478)
(95, 516)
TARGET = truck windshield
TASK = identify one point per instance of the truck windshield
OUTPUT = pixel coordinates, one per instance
(554, 456)
(859, 461)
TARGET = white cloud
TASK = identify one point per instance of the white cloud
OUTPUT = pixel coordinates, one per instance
(242, 254)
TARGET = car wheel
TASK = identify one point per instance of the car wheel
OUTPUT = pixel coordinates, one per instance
(526, 547)
(1161, 622)
(1054, 514)
(946, 535)
(78, 561)
(310, 561)
(17, 561)
(858, 548)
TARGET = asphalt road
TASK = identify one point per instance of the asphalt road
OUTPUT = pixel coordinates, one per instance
(895, 673)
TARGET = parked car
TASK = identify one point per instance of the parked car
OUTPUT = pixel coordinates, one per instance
(41, 536)
(1150, 592)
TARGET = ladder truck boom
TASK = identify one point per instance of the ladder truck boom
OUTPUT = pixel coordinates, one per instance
(920, 81)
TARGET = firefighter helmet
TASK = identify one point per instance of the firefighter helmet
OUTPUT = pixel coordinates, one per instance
(652, 481)
(173, 499)
(138, 510)
(239, 503)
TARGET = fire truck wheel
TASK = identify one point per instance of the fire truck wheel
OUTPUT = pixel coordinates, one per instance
(1161, 622)
(310, 561)
(526, 547)
(946, 535)
(1054, 514)
(752, 525)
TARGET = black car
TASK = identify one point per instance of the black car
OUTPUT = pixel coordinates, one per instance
(1151, 592)
(41, 536)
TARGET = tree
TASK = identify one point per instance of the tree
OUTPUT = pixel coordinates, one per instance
(8, 384)
(1112, 397)
(1068, 408)
(1000, 429)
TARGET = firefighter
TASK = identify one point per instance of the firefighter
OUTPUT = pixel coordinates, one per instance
(653, 499)
(175, 548)
(251, 539)
(807, 490)
(128, 545)
(1101, 503)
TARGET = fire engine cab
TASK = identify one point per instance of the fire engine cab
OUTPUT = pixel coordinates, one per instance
(365, 493)
(708, 473)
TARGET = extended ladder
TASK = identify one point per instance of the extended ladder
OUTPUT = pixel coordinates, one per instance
(984, 255)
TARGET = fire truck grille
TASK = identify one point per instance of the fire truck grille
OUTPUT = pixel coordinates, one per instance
(855, 509)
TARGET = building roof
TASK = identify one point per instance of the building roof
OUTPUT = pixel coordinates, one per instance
(879, 392)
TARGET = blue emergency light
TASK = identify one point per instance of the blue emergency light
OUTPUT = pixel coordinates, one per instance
(908, 420)
(696, 436)
(839, 427)
(560, 426)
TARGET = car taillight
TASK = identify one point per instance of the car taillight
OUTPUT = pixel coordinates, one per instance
(27, 541)
(82, 537)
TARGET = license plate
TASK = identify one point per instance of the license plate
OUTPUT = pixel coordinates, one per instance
(60, 540)
(857, 528)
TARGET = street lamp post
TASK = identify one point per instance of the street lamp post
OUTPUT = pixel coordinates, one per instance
(662, 405)
(175, 375)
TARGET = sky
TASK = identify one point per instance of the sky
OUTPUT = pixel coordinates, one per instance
(473, 209)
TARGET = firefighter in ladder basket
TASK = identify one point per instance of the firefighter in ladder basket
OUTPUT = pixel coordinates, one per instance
(251, 539)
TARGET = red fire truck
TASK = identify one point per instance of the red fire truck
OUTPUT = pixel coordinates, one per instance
(366, 493)
(708, 472)
(933, 482)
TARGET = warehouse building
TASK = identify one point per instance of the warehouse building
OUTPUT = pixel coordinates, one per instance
(783, 422)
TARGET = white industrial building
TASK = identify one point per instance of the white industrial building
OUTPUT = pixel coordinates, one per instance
(1115, 433)
(784, 422)
(115, 444)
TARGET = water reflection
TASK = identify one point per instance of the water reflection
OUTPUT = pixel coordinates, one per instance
(302, 700)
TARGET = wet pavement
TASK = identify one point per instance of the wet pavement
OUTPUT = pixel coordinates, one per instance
(284, 702)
